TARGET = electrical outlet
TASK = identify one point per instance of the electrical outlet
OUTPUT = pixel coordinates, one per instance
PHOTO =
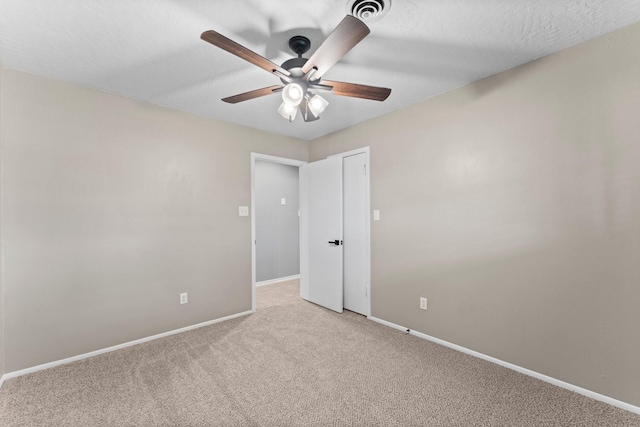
(243, 210)
(183, 298)
(423, 303)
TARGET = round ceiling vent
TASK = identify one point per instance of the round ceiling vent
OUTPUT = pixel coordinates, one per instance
(368, 10)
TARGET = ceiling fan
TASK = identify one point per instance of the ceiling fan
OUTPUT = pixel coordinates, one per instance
(301, 76)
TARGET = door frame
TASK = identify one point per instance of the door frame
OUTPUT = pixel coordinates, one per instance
(293, 162)
(265, 158)
(365, 151)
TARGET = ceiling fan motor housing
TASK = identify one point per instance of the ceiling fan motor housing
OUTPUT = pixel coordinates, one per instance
(300, 45)
(294, 66)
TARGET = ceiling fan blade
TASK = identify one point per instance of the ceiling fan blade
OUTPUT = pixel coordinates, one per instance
(307, 115)
(252, 94)
(349, 32)
(240, 51)
(357, 90)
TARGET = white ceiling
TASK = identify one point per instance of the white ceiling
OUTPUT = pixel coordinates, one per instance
(151, 49)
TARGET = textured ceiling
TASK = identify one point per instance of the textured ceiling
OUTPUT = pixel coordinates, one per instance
(151, 49)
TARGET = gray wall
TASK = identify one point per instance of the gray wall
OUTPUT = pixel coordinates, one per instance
(111, 208)
(277, 225)
(513, 205)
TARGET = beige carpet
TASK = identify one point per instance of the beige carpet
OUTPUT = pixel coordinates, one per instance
(293, 363)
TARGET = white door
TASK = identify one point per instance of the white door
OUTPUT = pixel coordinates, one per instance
(321, 233)
(355, 234)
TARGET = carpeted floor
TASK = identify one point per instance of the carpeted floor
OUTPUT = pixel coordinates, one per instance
(293, 363)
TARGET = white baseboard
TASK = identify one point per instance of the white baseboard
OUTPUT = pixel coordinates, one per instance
(525, 371)
(115, 347)
(278, 280)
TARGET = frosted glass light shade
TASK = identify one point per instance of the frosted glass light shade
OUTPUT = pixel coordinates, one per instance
(317, 104)
(288, 111)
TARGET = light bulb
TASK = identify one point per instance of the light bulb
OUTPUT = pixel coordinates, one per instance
(293, 93)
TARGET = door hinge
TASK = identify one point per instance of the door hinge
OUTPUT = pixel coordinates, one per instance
(365, 169)
(365, 292)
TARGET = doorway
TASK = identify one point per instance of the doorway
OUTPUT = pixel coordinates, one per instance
(277, 241)
(352, 284)
(255, 158)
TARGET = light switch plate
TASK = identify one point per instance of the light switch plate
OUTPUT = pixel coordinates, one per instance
(283, 201)
(376, 215)
(243, 210)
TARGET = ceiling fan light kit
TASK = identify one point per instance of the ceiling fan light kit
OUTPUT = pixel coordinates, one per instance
(301, 75)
